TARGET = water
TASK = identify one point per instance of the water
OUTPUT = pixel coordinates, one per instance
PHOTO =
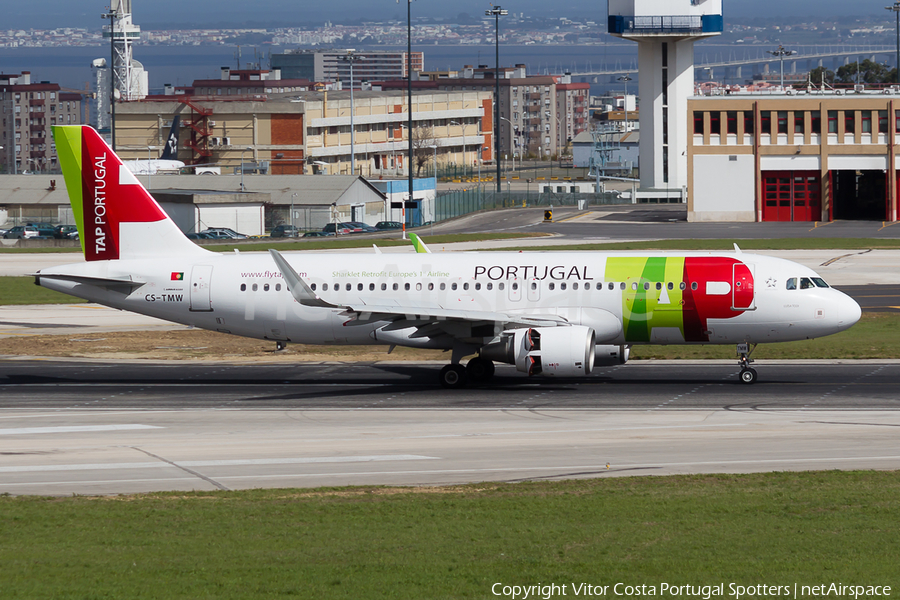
(181, 65)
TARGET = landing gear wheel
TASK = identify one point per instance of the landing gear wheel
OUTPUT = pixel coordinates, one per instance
(453, 377)
(748, 376)
(480, 369)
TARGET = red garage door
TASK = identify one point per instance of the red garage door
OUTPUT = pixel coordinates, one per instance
(792, 196)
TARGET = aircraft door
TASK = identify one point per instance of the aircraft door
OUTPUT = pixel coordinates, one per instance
(742, 292)
(201, 277)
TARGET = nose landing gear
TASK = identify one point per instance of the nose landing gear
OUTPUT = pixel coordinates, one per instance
(748, 374)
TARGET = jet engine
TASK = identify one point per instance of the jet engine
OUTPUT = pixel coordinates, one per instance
(611, 356)
(547, 351)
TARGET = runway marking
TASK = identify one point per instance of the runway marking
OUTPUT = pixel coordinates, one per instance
(217, 463)
(599, 468)
(74, 429)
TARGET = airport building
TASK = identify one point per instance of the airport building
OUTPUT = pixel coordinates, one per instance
(28, 111)
(799, 156)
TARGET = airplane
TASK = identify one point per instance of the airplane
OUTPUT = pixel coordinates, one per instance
(168, 160)
(551, 314)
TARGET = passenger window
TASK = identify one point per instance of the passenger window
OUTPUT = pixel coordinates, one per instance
(612, 286)
(646, 285)
(562, 286)
(255, 287)
(453, 286)
(337, 287)
(694, 286)
(533, 285)
(313, 286)
(324, 287)
(266, 287)
(359, 287)
(430, 287)
(406, 287)
(477, 286)
(515, 286)
(418, 287)
(622, 286)
(658, 286)
(383, 287)
(501, 285)
(244, 287)
(599, 286)
(371, 287)
(634, 286)
(791, 284)
(395, 287)
(575, 286)
(671, 286)
(443, 286)
(277, 287)
(806, 283)
(490, 286)
(348, 287)
(465, 286)
(682, 286)
(552, 286)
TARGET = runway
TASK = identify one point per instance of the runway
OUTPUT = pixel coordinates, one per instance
(91, 428)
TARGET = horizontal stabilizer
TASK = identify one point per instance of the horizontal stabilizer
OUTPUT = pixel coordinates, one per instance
(124, 285)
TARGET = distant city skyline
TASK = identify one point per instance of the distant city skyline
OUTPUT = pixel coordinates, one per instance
(273, 13)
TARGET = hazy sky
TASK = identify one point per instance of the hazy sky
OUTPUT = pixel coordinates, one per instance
(225, 13)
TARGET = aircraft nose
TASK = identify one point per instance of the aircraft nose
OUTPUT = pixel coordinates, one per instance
(849, 311)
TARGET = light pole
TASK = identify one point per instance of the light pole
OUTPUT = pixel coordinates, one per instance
(463, 125)
(409, 104)
(896, 9)
(514, 146)
(434, 147)
(111, 15)
(350, 58)
(149, 168)
(625, 79)
(781, 53)
(243, 189)
(497, 12)
(293, 231)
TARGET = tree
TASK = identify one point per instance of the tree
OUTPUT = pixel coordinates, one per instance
(869, 72)
(423, 140)
(821, 75)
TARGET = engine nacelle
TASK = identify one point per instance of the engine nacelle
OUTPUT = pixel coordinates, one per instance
(611, 356)
(554, 351)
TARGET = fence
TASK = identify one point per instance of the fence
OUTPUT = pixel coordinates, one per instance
(456, 203)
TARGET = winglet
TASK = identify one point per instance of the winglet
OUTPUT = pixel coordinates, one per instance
(301, 292)
(419, 245)
(737, 249)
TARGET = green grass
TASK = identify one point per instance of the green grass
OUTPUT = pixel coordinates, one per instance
(877, 335)
(780, 528)
(22, 290)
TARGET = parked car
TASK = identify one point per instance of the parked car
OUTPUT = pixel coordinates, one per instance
(210, 234)
(228, 233)
(340, 228)
(359, 227)
(22, 232)
(388, 225)
(62, 232)
(317, 234)
(281, 231)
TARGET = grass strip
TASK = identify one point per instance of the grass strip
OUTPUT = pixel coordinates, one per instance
(776, 529)
(22, 290)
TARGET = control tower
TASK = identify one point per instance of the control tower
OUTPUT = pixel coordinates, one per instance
(130, 78)
(665, 31)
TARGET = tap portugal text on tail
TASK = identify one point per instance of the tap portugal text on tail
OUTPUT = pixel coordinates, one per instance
(551, 314)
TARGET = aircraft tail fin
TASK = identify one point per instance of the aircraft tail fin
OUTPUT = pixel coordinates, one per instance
(117, 218)
(170, 152)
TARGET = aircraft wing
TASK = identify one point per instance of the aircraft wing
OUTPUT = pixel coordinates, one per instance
(430, 320)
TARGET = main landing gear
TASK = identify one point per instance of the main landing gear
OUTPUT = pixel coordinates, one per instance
(748, 374)
(478, 370)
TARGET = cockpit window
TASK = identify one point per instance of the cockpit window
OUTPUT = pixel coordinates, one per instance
(791, 283)
(819, 282)
(806, 283)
